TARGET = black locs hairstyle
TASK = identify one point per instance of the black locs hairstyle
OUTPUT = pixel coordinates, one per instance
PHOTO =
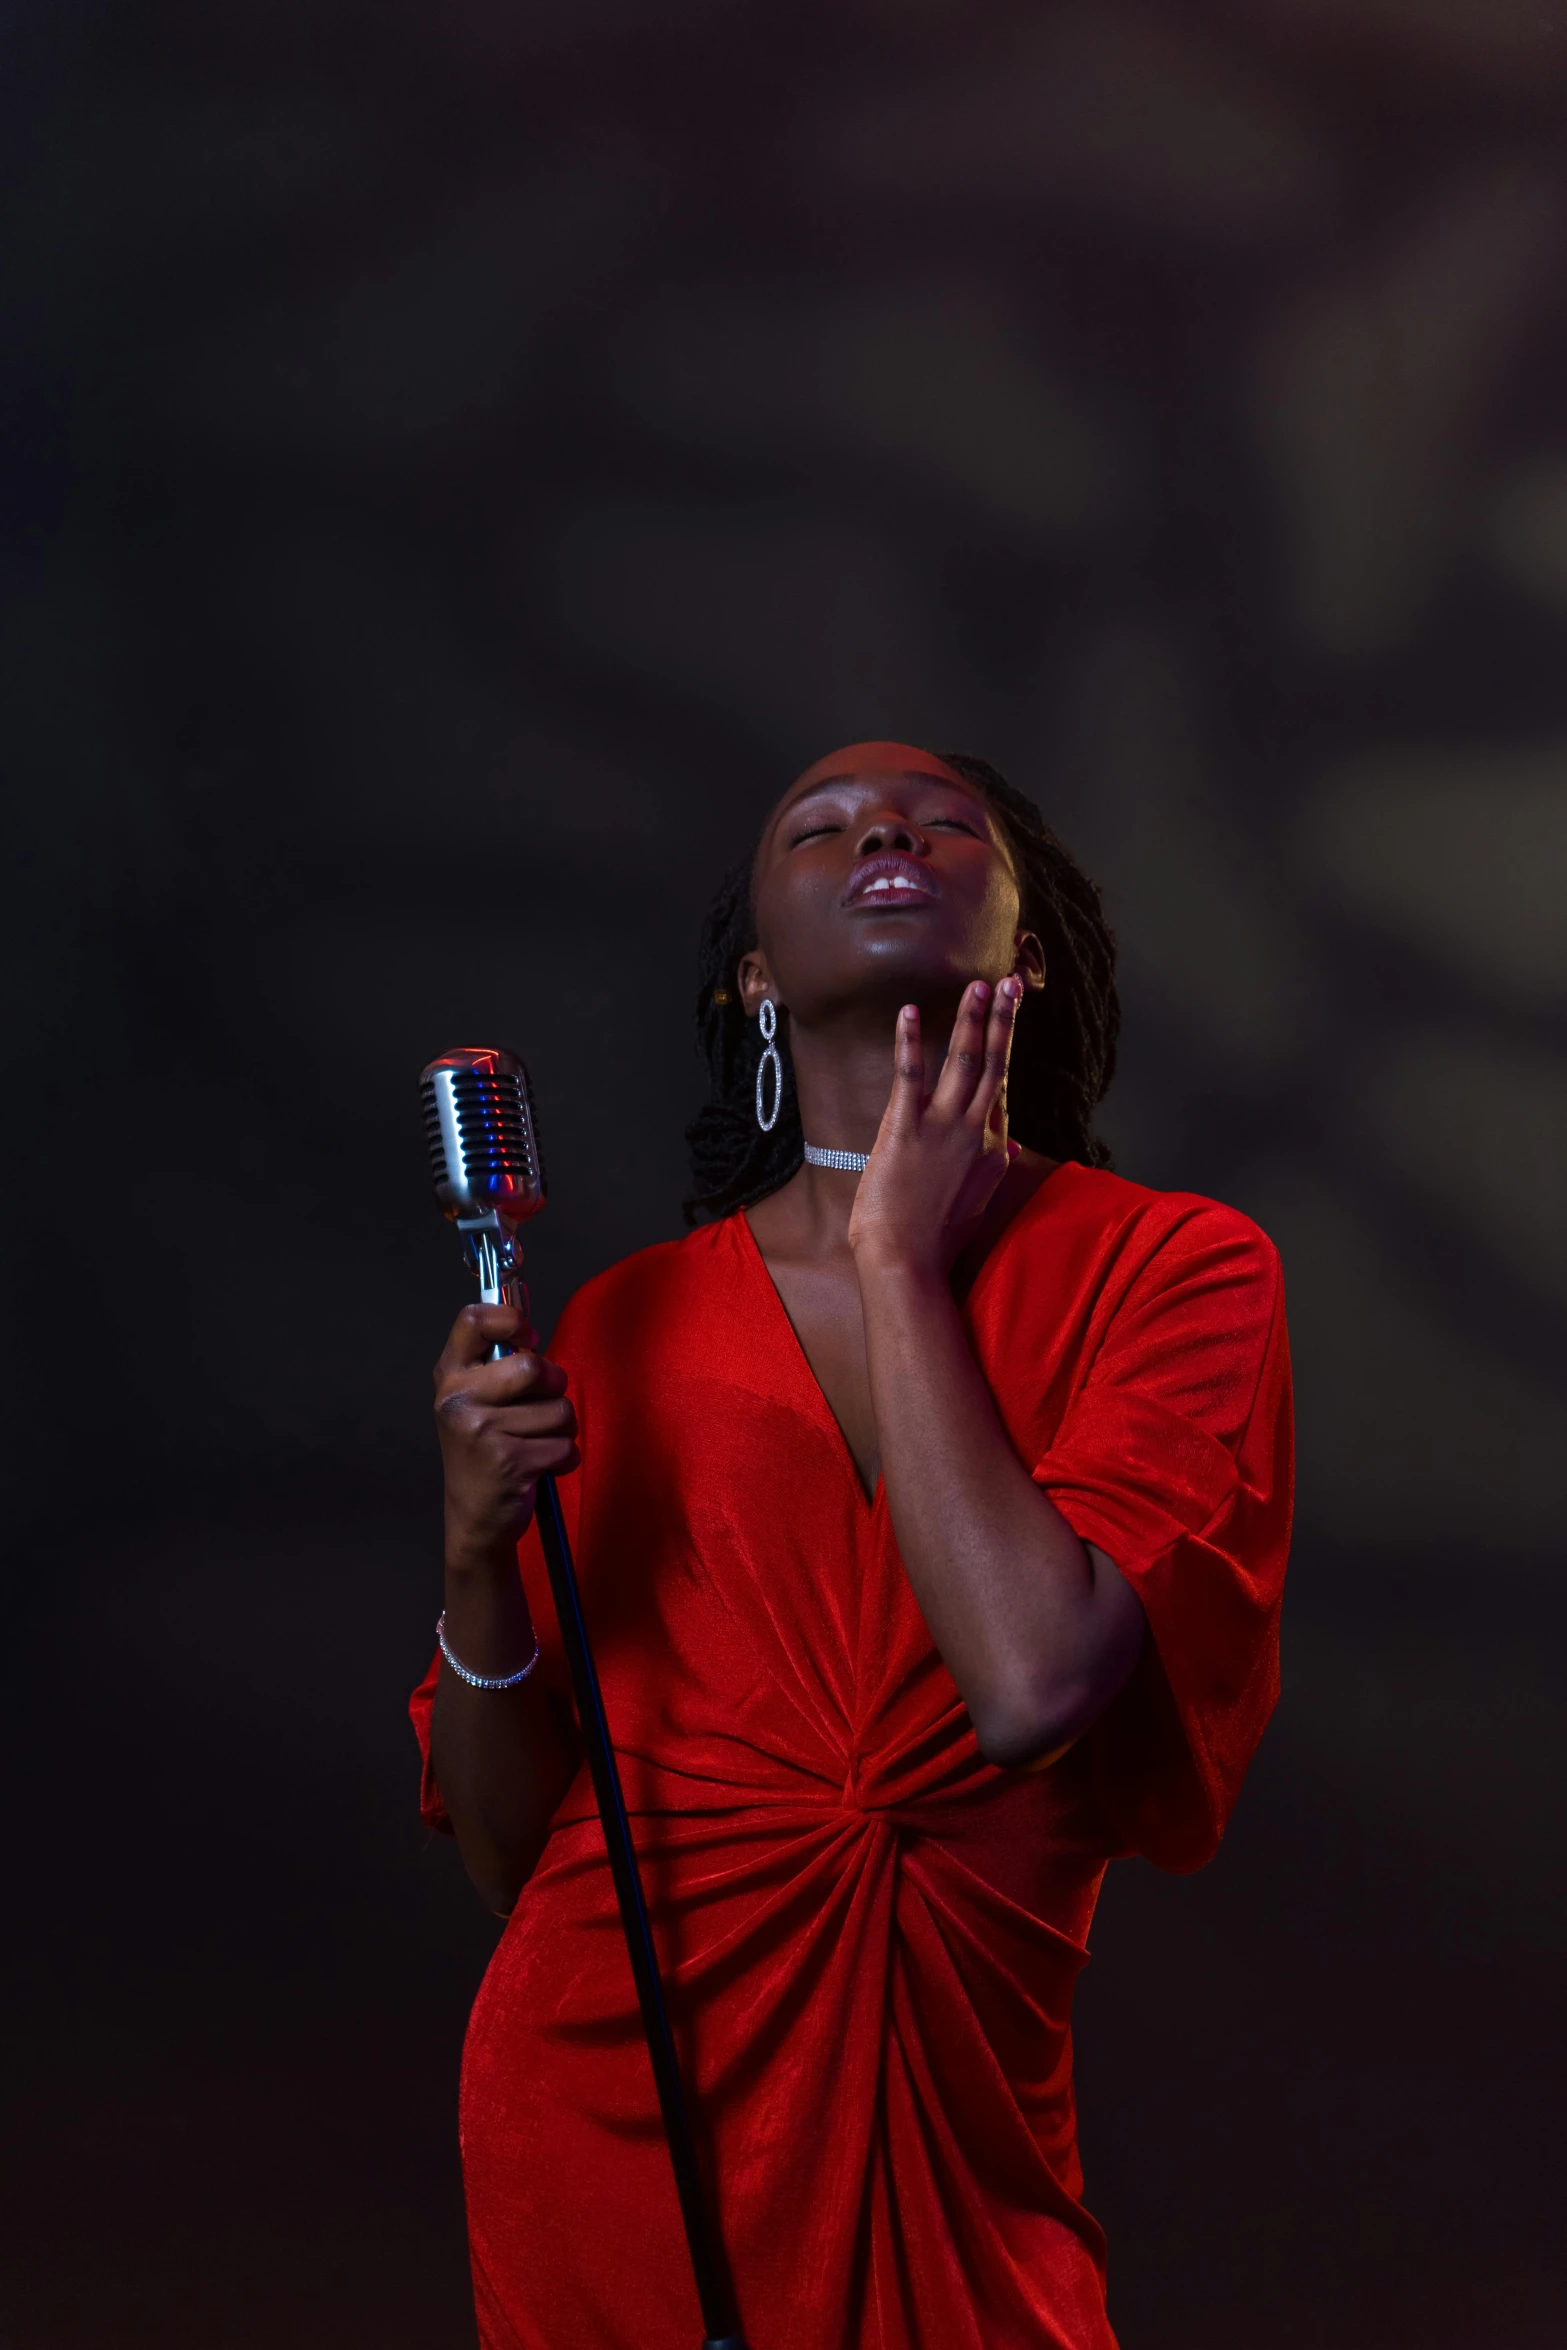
(1063, 1053)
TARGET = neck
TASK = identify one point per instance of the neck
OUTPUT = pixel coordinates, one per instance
(843, 1073)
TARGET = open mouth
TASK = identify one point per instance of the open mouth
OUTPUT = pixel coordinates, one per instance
(891, 881)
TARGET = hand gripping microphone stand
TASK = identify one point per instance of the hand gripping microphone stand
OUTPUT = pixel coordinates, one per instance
(484, 1153)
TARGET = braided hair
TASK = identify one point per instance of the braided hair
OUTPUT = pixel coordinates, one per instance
(1063, 1049)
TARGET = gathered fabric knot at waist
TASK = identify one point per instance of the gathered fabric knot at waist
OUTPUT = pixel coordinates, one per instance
(960, 1795)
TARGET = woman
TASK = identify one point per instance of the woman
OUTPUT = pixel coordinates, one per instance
(931, 1523)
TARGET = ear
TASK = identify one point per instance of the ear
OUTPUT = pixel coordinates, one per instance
(1028, 960)
(756, 981)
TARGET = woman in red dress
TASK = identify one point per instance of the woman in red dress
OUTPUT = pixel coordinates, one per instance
(931, 1522)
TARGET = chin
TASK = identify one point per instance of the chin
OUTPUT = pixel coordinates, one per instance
(919, 965)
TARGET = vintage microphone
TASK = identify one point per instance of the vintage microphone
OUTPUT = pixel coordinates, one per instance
(484, 1154)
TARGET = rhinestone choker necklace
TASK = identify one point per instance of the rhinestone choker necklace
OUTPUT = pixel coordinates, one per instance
(847, 1162)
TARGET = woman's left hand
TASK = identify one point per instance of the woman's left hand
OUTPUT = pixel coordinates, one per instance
(937, 1162)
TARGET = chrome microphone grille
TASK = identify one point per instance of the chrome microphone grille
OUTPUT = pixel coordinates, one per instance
(482, 1134)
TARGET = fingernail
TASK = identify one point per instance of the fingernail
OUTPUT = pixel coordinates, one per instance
(1012, 987)
(981, 991)
(909, 1012)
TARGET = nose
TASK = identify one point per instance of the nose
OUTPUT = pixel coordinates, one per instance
(888, 830)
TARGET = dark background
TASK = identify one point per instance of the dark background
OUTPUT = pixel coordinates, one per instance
(460, 461)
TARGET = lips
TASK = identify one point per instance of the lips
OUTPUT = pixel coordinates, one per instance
(891, 880)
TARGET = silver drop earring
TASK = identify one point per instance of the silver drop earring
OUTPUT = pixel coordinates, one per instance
(767, 1020)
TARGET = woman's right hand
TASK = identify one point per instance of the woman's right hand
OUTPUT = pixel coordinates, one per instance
(502, 1426)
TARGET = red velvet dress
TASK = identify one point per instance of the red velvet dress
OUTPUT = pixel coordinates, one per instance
(869, 1935)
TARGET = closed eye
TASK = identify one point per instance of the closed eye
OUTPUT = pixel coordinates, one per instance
(815, 832)
(954, 824)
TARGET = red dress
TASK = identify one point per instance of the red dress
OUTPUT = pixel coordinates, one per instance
(869, 1935)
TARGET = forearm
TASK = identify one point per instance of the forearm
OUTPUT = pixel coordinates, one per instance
(1037, 1630)
(498, 1754)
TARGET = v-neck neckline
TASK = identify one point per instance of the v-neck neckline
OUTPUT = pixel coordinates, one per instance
(867, 1501)
(871, 1502)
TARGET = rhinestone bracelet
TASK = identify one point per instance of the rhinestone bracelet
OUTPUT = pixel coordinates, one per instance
(483, 1680)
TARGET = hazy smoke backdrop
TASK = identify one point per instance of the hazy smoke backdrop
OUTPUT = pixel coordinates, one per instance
(460, 461)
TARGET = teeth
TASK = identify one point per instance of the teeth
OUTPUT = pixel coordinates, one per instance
(888, 881)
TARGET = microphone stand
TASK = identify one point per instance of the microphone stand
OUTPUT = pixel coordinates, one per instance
(493, 1243)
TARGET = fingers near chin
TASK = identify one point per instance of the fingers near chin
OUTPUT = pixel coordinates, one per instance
(908, 1057)
(980, 1051)
(1001, 1027)
(964, 1067)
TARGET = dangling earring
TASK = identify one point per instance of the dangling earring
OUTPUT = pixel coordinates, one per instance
(768, 1021)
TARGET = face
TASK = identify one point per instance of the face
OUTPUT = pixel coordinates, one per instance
(882, 878)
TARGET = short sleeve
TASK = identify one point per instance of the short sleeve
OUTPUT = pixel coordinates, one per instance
(1175, 1458)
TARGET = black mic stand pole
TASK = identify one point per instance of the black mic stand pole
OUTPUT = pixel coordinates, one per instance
(500, 1286)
